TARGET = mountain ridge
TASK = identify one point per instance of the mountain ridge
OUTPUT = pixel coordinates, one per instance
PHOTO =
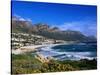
(47, 31)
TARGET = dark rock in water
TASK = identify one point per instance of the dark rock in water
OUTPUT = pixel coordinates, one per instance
(59, 55)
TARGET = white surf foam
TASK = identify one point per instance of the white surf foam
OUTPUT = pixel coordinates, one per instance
(48, 51)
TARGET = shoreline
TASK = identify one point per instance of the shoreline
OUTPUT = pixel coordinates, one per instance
(25, 49)
(33, 48)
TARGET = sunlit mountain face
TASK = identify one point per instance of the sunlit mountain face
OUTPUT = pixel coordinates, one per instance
(25, 26)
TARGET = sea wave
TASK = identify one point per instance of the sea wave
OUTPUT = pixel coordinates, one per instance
(48, 51)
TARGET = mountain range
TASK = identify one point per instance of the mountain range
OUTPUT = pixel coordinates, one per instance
(45, 30)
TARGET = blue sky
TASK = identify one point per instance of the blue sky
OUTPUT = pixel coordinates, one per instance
(64, 16)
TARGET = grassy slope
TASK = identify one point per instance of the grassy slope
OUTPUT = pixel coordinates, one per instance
(26, 63)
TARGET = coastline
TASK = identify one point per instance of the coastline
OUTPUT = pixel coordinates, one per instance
(25, 49)
(36, 48)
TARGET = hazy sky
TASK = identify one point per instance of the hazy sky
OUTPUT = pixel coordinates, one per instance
(65, 16)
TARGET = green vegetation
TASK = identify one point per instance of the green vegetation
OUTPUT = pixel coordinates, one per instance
(83, 64)
(27, 63)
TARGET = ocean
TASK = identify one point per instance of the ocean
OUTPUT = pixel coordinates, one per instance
(70, 52)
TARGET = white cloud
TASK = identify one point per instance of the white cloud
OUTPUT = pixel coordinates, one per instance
(28, 19)
(87, 27)
(21, 18)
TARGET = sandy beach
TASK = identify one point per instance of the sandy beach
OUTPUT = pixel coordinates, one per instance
(31, 48)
